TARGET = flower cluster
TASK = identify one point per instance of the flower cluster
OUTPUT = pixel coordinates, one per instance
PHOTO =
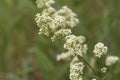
(76, 69)
(61, 34)
(44, 3)
(100, 49)
(111, 60)
(57, 24)
(70, 17)
(51, 21)
(104, 69)
(64, 55)
(75, 44)
(44, 22)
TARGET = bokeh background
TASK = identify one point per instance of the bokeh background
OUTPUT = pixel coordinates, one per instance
(25, 55)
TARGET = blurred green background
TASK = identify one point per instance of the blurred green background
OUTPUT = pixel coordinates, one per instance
(25, 55)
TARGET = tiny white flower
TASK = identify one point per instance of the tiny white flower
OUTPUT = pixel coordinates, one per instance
(64, 55)
(111, 60)
(62, 33)
(70, 17)
(76, 44)
(76, 69)
(59, 20)
(100, 49)
(40, 3)
(104, 69)
(48, 10)
(94, 79)
(44, 3)
(44, 22)
(49, 3)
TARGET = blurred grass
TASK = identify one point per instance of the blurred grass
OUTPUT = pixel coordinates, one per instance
(25, 55)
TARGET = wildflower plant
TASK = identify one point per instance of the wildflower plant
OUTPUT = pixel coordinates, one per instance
(57, 25)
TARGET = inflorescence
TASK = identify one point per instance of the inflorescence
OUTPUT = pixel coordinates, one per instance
(57, 24)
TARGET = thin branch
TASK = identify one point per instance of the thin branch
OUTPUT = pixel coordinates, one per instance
(88, 64)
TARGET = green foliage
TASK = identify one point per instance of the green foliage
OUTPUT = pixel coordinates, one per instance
(25, 55)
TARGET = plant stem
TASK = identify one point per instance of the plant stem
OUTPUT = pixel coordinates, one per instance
(88, 64)
(108, 73)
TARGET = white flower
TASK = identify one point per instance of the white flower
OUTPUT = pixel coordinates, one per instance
(44, 22)
(76, 69)
(94, 79)
(40, 3)
(63, 55)
(74, 60)
(100, 49)
(111, 60)
(62, 33)
(48, 10)
(59, 20)
(70, 17)
(76, 44)
(51, 21)
(49, 3)
(44, 3)
(104, 69)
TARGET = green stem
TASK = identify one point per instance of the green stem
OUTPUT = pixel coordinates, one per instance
(88, 64)
(108, 73)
